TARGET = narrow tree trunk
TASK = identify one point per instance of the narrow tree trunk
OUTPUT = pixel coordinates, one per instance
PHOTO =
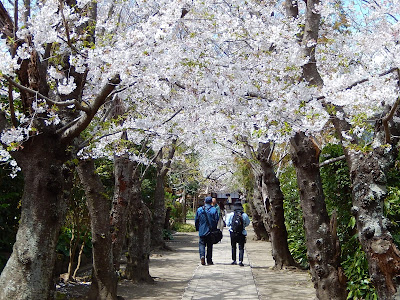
(367, 172)
(78, 264)
(28, 273)
(277, 227)
(323, 250)
(137, 268)
(157, 229)
(123, 170)
(72, 250)
(184, 206)
(104, 285)
(257, 206)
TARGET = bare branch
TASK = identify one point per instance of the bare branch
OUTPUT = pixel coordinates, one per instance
(332, 160)
(173, 116)
(48, 100)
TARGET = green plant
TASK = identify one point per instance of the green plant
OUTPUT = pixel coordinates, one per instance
(293, 215)
(167, 234)
(10, 196)
(181, 227)
(246, 209)
(356, 270)
(190, 215)
(175, 207)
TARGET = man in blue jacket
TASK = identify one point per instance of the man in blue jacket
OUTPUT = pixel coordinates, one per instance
(205, 227)
(236, 222)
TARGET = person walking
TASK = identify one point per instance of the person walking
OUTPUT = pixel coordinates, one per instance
(220, 224)
(236, 222)
(206, 221)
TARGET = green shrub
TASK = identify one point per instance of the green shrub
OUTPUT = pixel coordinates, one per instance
(293, 216)
(190, 215)
(167, 234)
(246, 209)
(356, 270)
(180, 227)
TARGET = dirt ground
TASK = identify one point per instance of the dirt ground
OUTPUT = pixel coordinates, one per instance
(172, 271)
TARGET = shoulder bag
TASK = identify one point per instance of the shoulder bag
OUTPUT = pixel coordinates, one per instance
(215, 236)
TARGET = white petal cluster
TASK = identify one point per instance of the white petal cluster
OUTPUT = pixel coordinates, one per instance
(14, 135)
(66, 86)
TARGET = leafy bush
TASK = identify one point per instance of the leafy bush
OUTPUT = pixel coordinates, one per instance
(246, 209)
(175, 207)
(356, 270)
(293, 215)
(167, 234)
(190, 215)
(181, 227)
(10, 196)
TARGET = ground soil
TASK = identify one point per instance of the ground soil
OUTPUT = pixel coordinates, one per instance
(172, 271)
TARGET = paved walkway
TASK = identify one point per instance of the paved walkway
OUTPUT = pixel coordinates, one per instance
(226, 281)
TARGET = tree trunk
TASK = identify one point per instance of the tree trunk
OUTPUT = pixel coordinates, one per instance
(257, 206)
(104, 284)
(28, 273)
(184, 206)
(277, 227)
(72, 250)
(367, 172)
(137, 268)
(323, 250)
(157, 229)
(123, 170)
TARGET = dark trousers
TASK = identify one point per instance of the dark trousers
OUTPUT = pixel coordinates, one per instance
(237, 238)
(203, 242)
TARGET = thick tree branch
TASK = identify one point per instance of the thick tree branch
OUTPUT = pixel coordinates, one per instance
(6, 23)
(171, 154)
(82, 123)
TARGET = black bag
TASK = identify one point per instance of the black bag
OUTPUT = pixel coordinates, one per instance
(237, 222)
(214, 236)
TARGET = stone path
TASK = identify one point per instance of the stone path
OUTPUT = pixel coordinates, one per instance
(179, 275)
(222, 280)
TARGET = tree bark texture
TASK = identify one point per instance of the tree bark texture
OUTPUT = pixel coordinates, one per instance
(104, 285)
(139, 237)
(274, 207)
(259, 216)
(323, 249)
(123, 172)
(367, 172)
(28, 273)
(157, 230)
